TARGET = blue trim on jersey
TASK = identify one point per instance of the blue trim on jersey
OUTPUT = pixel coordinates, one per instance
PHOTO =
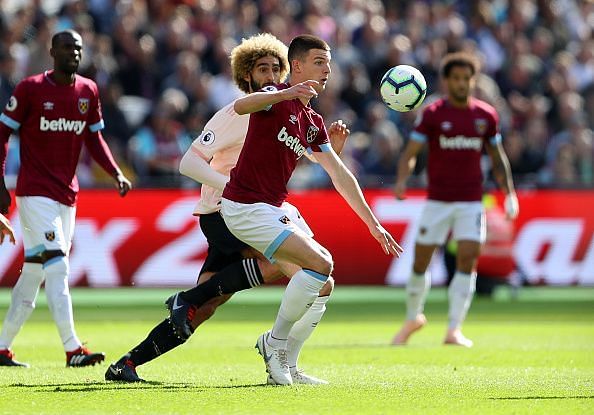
(276, 243)
(52, 261)
(316, 275)
(326, 148)
(496, 139)
(97, 126)
(15, 125)
(34, 251)
(418, 137)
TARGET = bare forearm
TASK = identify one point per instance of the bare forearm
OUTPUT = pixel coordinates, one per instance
(257, 101)
(502, 174)
(348, 187)
(406, 165)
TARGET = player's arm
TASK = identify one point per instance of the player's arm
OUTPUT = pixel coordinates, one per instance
(338, 132)
(406, 165)
(346, 184)
(502, 173)
(262, 100)
(6, 229)
(102, 155)
(195, 166)
(5, 199)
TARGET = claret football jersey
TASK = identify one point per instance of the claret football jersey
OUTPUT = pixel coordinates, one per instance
(455, 137)
(52, 122)
(276, 139)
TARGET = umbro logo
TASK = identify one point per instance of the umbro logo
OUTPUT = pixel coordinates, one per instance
(48, 105)
(293, 119)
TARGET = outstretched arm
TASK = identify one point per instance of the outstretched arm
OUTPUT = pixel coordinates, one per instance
(503, 176)
(346, 184)
(195, 166)
(259, 101)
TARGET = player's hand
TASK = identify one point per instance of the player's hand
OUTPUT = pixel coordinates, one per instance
(4, 200)
(389, 245)
(511, 206)
(6, 230)
(399, 190)
(123, 184)
(338, 133)
(303, 89)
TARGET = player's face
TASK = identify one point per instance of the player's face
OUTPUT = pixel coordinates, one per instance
(459, 83)
(67, 53)
(266, 72)
(316, 66)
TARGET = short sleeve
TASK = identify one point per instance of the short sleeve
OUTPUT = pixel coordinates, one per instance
(16, 108)
(95, 120)
(422, 127)
(317, 136)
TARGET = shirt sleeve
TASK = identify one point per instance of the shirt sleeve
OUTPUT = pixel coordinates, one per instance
(422, 127)
(16, 108)
(492, 134)
(95, 120)
(321, 142)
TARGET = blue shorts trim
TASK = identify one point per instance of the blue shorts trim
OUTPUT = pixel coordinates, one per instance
(276, 243)
(52, 261)
(36, 250)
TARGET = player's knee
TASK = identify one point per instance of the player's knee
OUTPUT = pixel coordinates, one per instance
(324, 262)
(327, 288)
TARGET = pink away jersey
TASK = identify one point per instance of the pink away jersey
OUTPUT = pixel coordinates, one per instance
(52, 121)
(275, 141)
(455, 137)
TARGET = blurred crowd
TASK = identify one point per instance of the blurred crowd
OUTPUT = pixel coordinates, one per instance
(163, 69)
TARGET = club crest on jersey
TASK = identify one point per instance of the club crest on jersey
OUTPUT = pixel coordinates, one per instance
(312, 133)
(50, 235)
(207, 137)
(11, 104)
(83, 105)
(480, 125)
(284, 219)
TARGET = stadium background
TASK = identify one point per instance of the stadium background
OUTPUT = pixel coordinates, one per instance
(162, 69)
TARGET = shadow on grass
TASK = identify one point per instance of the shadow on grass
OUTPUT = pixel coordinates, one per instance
(111, 386)
(514, 398)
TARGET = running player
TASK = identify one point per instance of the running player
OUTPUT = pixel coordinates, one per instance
(55, 113)
(456, 129)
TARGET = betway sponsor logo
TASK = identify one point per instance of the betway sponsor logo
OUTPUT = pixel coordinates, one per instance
(460, 142)
(292, 142)
(62, 124)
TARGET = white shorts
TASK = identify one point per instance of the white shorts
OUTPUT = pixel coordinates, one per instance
(46, 224)
(263, 226)
(466, 221)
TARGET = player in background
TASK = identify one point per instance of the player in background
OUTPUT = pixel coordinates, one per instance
(282, 128)
(55, 113)
(456, 129)
(6, 230)
(258, 62)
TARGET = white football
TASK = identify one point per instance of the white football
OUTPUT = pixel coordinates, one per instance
(403, 88)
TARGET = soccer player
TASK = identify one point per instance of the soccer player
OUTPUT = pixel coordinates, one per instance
(456, 129)
(6, 229)
(282, 128)
(55, 113)
(259, 61)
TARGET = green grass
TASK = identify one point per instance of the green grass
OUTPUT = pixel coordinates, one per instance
(532, 355)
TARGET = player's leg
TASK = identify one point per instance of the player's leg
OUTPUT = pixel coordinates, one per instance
(24, 293)
(56, 266)
(435, 224)
(469, 231)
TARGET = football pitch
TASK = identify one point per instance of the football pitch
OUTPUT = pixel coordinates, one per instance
(533, 355)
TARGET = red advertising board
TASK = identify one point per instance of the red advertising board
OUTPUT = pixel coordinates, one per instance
(150, 238)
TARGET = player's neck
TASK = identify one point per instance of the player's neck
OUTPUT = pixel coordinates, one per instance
(459, 103)
(62, 78)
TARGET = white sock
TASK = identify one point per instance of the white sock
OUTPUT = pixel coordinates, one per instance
(299, 295)
(417, 288)
(303, 329)
(22, 302)
(59, 300)
(460, 294)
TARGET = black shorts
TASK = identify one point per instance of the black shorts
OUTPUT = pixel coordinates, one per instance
(223, 248)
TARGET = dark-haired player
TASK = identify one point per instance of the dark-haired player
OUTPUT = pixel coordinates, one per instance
(456, 129)
(54, 113)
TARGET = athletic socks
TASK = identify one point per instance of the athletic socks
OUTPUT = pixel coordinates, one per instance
(303, 328)
(22, 302)
(460, 294)
(235, 277)
(417, 287)
(299, 295)
(160, 340)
